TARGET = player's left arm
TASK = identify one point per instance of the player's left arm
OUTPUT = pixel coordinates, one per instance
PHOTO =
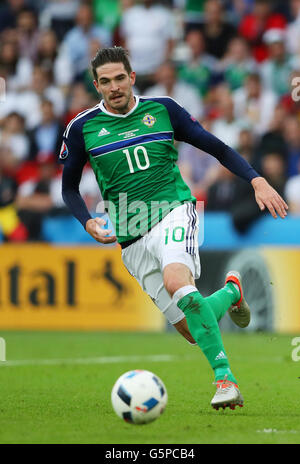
(187, 129)
(266, 196)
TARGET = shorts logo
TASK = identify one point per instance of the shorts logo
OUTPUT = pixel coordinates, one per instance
(63, 151)
(149, 120)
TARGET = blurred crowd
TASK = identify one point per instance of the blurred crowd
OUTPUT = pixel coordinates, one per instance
(234, 65)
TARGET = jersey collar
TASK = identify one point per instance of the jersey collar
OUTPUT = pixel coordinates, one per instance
(102, 108)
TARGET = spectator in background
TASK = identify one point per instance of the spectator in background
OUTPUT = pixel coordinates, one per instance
(237, 9)
(14, 141)
(15, 68)
(59, 16)
(43, 87)
(28, 102)
(237, 63)
(38, 197)
(198, 70)
(291, 131)
(255, 24)
(292, 193)
(247, 144)
(79, 100)
(217, 32)
(193, 13)
(244, 209)
(217, 92)
(76, 42)
(221, 193)
(276, 70)
(28, 33)
(46, 138)
(10, 225)
(254, 104)
(123, 5)
(87, 77)
(198, 169)
(226, 127)
(183, 93)
(9, 12)
(148, 33)
(107, 14)
(274, 170)
(58, 63)
(293, 29)
(273, 139)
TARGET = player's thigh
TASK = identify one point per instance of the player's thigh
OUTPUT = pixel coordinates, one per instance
(137, 259)
(175, 239)
(145, 267)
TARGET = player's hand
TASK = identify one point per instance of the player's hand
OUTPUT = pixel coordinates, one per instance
(266, 196)
(94, 228)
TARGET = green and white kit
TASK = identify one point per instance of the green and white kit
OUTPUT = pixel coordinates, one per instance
(134, 159)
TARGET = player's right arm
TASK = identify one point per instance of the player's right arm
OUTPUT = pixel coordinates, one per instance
(73, 157)
(94, 228)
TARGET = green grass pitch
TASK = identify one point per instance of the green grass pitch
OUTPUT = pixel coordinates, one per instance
(55, 388)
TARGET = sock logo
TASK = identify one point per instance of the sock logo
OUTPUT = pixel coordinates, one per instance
(221, 355)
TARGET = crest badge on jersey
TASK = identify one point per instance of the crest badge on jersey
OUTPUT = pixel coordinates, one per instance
(149, 120)
(63, 151)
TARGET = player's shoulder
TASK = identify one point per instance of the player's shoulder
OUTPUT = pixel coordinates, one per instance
(77, 122)
(163, 99)
(169, 102)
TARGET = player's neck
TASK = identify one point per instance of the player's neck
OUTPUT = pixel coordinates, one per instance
(124, 110)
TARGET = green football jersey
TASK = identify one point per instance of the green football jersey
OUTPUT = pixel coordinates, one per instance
(134, 160)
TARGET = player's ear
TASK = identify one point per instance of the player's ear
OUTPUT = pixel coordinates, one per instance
(96, 85)
(132, 77)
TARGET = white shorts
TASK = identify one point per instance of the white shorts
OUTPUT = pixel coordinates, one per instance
(173, 240)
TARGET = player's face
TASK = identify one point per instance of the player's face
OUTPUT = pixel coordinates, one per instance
(115, 85)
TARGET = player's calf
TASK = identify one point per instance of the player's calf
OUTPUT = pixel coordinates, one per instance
(183, 329)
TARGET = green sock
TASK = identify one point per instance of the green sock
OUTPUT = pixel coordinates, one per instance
(222, 299)
(204, 327)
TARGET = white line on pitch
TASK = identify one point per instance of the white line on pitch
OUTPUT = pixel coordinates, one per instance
(99, 360)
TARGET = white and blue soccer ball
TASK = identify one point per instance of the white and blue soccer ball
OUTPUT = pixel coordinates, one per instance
(139, 397)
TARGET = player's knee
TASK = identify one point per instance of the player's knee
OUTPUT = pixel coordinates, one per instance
(176, 276)
(171, 285)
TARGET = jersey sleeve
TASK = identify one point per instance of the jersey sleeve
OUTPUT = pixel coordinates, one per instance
(72, 149)
(188, 129)
(73, 156)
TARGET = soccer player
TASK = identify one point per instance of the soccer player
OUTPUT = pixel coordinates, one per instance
(129, 141)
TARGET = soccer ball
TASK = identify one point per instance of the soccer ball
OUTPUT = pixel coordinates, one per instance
(139, 397)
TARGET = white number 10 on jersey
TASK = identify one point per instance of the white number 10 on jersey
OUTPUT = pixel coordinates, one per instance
(138, 152)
